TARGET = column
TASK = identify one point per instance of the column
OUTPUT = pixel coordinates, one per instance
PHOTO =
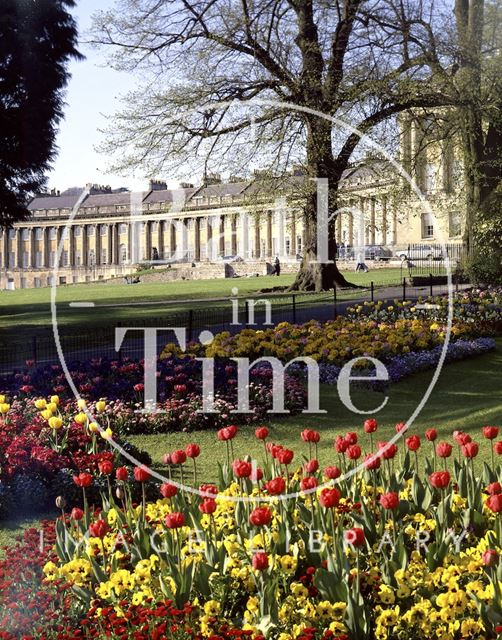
(372, 214)
(209, 239)
(394, 227)
(109, 244)
(196, 230)
(350, 238)
(384, 219)
(59, 236)
(45, 247)
(18, 259)
(172, 238)
(257, 239)
(97, 244)
(85, 246)
(116, 243)
(71, 246)
(244, 239)
(269, 234)
(222, 236)
(160, 239)
(148, 241)
(6, 248)
(338, 228)
(32, 248)
(293, 233)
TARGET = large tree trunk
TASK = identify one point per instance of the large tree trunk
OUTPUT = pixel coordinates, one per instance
(313, 274)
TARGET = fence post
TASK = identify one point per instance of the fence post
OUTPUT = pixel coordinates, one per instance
(190, 324)
(34, 349)
(404, 289)
(430, 284)
(372, 292)
(335, 310)
(293, 301)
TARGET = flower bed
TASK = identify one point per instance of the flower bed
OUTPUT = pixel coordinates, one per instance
(389, 552)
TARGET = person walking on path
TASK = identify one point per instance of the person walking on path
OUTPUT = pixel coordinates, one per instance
(277, 266)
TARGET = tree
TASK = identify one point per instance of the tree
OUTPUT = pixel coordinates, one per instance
(37, 40)
(235, 80)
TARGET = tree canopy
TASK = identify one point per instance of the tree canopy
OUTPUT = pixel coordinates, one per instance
(37, 40)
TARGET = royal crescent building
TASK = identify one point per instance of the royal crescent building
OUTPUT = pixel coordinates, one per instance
(96, 233)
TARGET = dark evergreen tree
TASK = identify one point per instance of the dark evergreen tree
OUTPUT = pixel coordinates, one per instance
(37, 40)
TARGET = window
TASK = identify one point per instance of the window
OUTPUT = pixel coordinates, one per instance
(103, 229)
(122, 229)
(427, 225)
(104, 256)
(23, 283)
(37, 283)
(77, 231)
(299, 243)
(62, 279)
(49, 281)
(65, 233)
(25, 234)
(91, 258)
(288, 246)
(455, 224)
(123, 254)
(65, 259)
(202, 223)
(430, 177)
(12, 257)
(26, 258)
(90, 230)
(38, 259)
(52, 233)
(39, 233)
(78, 258)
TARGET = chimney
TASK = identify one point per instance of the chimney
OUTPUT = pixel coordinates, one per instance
(186, 185)
(158, 185)
(233, 179)
(298, 170)
(212, 178)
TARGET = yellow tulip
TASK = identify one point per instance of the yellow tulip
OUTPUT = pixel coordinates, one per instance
(81, 404)
(55, 422)
(93, 426)
(55, 399)
(106, 434)
(2, 399)
(4, 407)
(52, 406)
(100, 406)
(40, 403)
(46, 414)
(80, 418)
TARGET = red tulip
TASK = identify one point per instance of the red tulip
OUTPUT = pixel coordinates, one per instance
(490, 558)
(209, 488)
(494, 503)
(192, 450)
(76, 514)
(413, 443)
(350, 437)
(370, 425)
(175, 520)
(261, 433)
(275, 486)
(285, 456)
(168, 490)
(83, 479)
(490, 433)
(315, 436)
(372, 461)
(167, 459)
(178, 457)
(241, 468)
(309, 483)
(105, 467)
(387, 451)
(227, 433)
(121, 473)
(260, 517)
(470, 450)
(355, 536)
(99, 529)
(340, 444)
(141, 474)
(329, 498)
(444, 449)
(401, 426)
(332, 473)
(353, 452)
(260, 561)
(439, 479)
(389, 500)
(256, 474)
(208, 506)
(311, 466)
(494, 488)
(431, 435)
(497, 447)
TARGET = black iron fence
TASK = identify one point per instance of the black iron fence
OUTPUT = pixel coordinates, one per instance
(82, 343)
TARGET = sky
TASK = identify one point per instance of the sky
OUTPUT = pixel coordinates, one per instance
(93, 92)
